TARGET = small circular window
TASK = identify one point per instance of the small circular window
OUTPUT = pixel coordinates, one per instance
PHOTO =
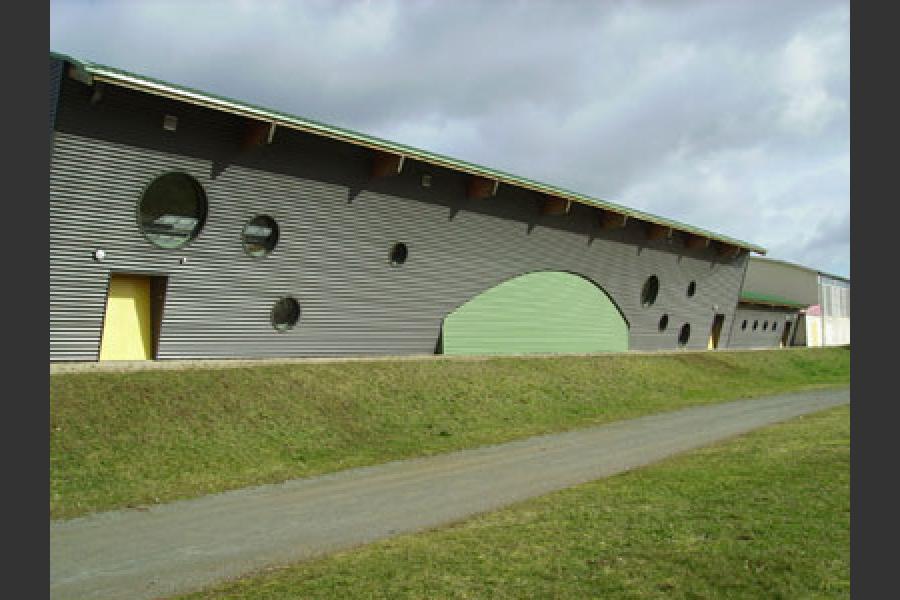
(399, 254)
(663, 322)
(650, 290)
(260, 235)
(172, 210)
(691, 289)
(744, 324)
(684, 335)
(285, 314)
(755, 325)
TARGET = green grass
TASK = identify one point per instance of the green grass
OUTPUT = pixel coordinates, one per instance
(765, 515)
(126, 439)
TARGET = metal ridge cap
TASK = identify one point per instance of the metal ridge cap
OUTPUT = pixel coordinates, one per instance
(143, 83)
(786, 263)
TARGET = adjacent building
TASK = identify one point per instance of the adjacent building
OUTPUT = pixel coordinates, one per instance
(773, 297)
(786, 304)
(828, 321)
(184, 225)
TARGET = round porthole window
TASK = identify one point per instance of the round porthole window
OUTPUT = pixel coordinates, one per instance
(399, 254)
(650, 290)
(172, 210)
(691, 289)
(684, 335)
(260, 235)
(663, 322)
(744, 324)
(285, 313)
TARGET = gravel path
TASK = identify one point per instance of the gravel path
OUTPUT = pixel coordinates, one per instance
(187, 545)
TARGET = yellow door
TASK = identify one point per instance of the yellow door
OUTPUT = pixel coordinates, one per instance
(812, 331)
(127, 330)
(715, 332)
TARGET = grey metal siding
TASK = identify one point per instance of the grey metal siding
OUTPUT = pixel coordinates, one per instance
(336, 229)
(56, 68)
(800, 333)
(748, 338)
(774, 278)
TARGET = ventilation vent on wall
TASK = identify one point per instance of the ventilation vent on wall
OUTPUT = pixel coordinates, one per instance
(170, 123)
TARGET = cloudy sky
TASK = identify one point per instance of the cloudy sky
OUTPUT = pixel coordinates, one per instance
(729, 115)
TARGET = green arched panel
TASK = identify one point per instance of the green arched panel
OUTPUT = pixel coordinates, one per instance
(544, 312)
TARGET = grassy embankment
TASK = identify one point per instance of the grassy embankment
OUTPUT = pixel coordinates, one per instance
(125, 439)
(765, 515)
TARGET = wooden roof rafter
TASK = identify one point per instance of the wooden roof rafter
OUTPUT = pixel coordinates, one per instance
(479, 188)
(386, 164)
(554, 205)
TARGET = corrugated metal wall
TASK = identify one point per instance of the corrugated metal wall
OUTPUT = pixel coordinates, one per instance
(760, 338)
(538, 312)
(56, 67)
(800, 331)
(782, 280)
(336, 230)
(837, 331)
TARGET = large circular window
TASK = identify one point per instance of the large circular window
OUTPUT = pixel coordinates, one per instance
(285, 314)
(650, 290)
(684, 335)
(260, 235)
(172, 210)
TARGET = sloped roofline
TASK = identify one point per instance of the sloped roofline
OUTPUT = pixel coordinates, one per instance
(785, 263)
(89, 73)
(801, 267)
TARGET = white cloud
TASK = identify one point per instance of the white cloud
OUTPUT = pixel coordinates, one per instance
(803, 77)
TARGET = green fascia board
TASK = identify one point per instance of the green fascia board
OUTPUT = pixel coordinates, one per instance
(89, 72)
(755, 298)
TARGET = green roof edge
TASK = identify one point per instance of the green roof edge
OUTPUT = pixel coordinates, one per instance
(88, 70)
(757, 298)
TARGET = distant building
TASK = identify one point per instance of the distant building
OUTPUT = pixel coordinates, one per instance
(780, 305)
(828, 321)
(772, 297)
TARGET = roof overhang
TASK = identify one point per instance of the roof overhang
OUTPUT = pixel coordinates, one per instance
(769, 300)
(785, 263)
(91, 73)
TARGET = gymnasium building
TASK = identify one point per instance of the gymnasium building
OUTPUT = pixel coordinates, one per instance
(184, 225)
